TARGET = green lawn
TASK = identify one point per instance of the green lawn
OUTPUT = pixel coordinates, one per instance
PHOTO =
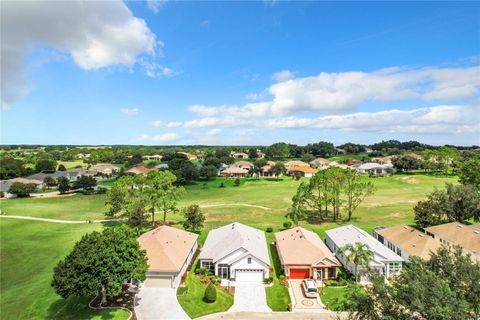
(192, 301)
(29, 251)
(278, 297)
(332, 295)
(73, 164)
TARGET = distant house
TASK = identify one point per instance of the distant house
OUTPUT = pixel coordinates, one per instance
(375, 168)
(407, 241)
(383, 160)
(296, 163)
(266, 170)
(458, 234)
(238, 155)
(260, 154)
(234, 172)
(169, 251)
(139, 170)
(303, 171)
(189, 156)
(104, 169)
(303, 255)
(162, 166)
(384, 261)
(236, 252)
(339, 165)
(153, 157)
(6, 184)
(70, 175)
(201, 156)
(320, 163)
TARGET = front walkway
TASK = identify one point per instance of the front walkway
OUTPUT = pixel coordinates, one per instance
(249, 296)
(154, 303)
(317, 315)
(299, 301)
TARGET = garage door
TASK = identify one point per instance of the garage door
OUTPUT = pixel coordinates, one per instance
(249, 276)
(159, 282)
(299, 273)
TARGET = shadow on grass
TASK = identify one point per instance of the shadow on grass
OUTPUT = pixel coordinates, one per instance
(77, 308)
(275, 260)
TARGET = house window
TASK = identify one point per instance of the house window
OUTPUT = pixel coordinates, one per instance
(332, 273)
(399, 252)
(208, 265)
(249, 260)
(394, 267)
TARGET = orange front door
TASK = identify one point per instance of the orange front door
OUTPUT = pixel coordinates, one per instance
(299, 273)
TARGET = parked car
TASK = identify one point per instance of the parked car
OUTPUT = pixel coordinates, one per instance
(309, 288)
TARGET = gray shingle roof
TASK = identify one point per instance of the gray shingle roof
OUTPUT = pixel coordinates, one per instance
(227, 239)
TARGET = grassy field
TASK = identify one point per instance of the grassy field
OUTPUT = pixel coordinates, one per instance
(73, 164)
(30, 249)
(332, 295)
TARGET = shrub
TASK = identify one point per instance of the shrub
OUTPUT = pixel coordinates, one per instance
(268, 280)
(236, 183)
(2, 194)
(281, 277)
(287, 224)
(269, 229)
(210, 293)
(222, 185)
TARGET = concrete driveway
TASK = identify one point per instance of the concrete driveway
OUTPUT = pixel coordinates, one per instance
(299, 301)
(153, 303)
(250, 296)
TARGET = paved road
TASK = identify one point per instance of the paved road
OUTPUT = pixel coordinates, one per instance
(158, 303)
(57, 220)
(250, 296)
(304, 315)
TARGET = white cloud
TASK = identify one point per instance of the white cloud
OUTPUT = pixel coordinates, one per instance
(130, 111)
(96, 34)
(214, 132)
(145, 136)
(155, 5)
(173, 124)
(166, 137)
(157, 123)
(283, 75)
(155, 70)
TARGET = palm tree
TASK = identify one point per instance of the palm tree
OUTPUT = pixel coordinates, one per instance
(359, 254)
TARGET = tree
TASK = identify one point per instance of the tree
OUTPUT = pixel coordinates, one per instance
(447, 287)
(278, 150)
(252, 153)
(136, 213)
(11, 168)
(335, 179)
(116, 197)
(50, 181)
(470, 173)
(45, 164)
(61, 167)
(185, 171)
(208, 172)
(236, 182)
(85, 182)
(278, 169)
(297, 212)
(194, 218)
(321, 149)
(210, 293)
(100, 262)
(135, 159)
(359, 254)
(22, 189)
(307, 157)
(356, 187)
(406, 163)
(63, 184)
(455, 203)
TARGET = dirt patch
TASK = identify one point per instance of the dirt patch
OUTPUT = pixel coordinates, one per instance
(220, 204)
(409, 180)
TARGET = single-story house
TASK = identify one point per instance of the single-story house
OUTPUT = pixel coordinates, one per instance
(242, 164)
(375, 168)
(303, 171)
(238, 155)
(104, 169)
(339, 165)
(234, 172)
(296, 163)
(383, 160)
(320, 163)
(6, 184)
(260, 154)
(384, 261)
(458, 234)
(266, 170)
(407, 241)
(70, 175)
(162, 166)
(139, 170)
(189, 156)
(303, 255)
(169, 251)
(153, 157)
(236, 252)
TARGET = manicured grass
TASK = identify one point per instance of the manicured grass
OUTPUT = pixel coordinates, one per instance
(73, 164)
(192, 301)
(278, 297)
(332, 296)
(68, 207)
(29, 251)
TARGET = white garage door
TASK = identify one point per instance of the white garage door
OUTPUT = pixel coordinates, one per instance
(159, 282)
(249, 276)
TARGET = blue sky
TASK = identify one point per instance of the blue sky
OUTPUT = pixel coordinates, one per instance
(240, 72)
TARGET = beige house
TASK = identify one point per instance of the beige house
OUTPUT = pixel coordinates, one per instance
(458, 234)
(154, 157)
(407, 241)
(296, 163)
(303, 171)
(234, 172)
(320, 163)
(169, 252)
(239, 155)
(304, 255)
(104, 169)
(139, 170)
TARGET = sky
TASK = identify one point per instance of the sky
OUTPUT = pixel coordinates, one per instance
(239, 73)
